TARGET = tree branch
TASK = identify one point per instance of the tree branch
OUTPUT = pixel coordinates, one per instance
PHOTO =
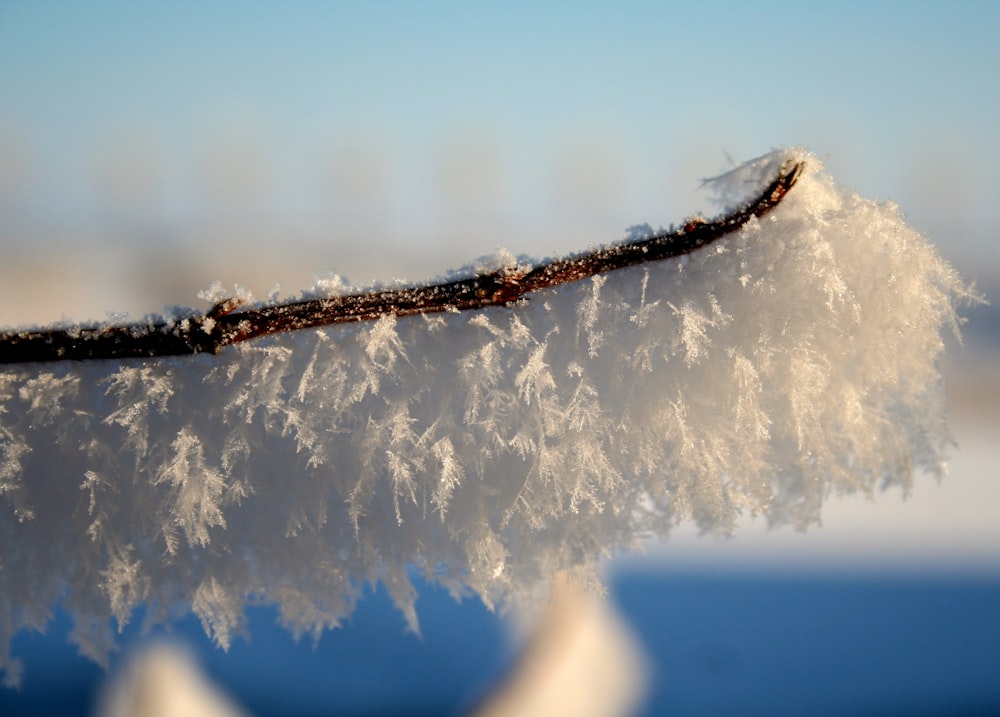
(225, 324)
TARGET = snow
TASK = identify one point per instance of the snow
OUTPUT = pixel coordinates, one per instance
(165, 681)
(488, 450)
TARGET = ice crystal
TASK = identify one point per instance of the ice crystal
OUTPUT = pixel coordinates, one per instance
(488, 449)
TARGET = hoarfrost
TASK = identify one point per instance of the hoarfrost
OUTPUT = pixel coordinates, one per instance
(488, 449)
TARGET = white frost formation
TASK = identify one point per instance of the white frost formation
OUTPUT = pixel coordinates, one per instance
(486, 449)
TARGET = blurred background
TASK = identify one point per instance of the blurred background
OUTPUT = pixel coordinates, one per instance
(149, 149)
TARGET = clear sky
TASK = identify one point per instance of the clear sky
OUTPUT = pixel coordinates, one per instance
(400, 134)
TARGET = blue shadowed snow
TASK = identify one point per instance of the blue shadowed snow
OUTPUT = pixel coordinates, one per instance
(818, 645)
(721, 644)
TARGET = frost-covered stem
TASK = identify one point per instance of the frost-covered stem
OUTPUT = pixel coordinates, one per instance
(490, 449)
(225, 324)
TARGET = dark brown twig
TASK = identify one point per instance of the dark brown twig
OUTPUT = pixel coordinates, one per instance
(226, 324)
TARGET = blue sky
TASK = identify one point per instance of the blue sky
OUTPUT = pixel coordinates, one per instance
(457, 127)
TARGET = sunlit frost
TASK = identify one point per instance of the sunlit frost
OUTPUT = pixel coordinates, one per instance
(487, 449)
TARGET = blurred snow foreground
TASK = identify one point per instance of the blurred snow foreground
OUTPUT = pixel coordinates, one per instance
(580, 661)
(487, 449)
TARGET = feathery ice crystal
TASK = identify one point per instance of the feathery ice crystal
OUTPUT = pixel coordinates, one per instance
(487, 449)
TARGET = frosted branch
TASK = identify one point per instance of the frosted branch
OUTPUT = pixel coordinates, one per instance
(795, 355)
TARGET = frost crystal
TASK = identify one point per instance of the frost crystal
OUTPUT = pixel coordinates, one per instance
(488, 449)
